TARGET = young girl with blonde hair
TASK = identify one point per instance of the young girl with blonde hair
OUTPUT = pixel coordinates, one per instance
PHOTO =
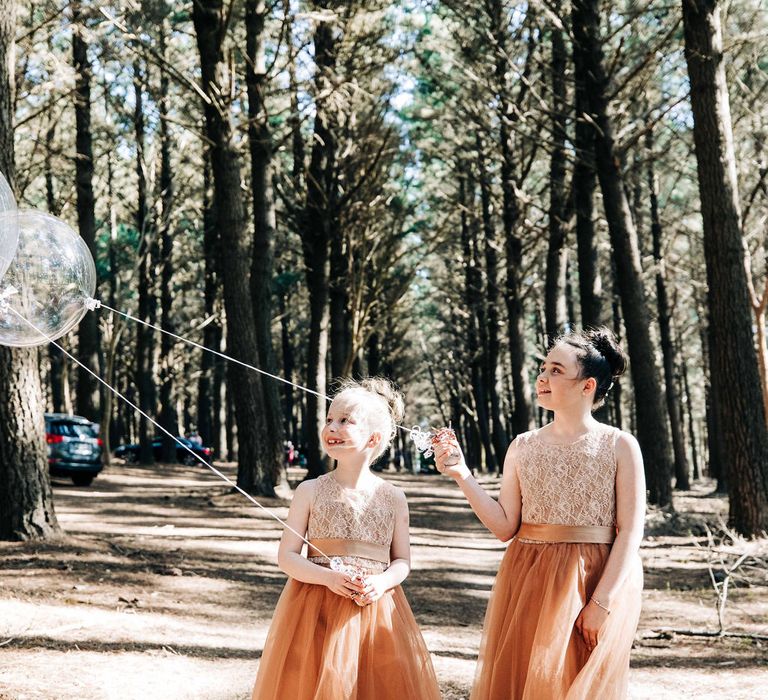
(333, 636)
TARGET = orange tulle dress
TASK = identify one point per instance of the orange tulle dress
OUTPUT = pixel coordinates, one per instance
(325, 647)
(530, 649)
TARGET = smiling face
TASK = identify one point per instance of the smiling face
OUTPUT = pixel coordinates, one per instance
(559, 384)
(346, 431)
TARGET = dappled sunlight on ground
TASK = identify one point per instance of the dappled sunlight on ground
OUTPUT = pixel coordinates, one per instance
(165, 583)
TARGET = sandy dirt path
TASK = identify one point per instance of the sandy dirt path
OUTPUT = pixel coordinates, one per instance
(165, 582)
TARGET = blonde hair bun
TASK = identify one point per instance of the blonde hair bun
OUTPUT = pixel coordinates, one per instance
(385, 410)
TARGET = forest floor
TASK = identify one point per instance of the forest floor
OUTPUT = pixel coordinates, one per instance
(165, 581)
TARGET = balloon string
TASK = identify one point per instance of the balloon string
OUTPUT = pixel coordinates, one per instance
(96, 304)
(215, 352)
(168, 433)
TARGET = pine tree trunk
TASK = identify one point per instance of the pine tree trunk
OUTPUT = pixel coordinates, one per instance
(289, 365)
(255, 472)
(168, 416)
(55, 356)
(554, 286)
(740, 414)
(112, 427)
(295, 404)
(147, 303)
(689, 414)
(513, 245)
(652, 432)
(473, 300)
(262, 263)
(715, 461)
(26, 503)
(584, 183)
(88, 330)
(492, 302)
(207, 390)
(340, 334)
(315, 227)
(221, 431)
(682, 481)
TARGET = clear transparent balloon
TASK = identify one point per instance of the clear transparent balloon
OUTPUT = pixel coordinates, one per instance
(9, 229)
(53, 274)
(7, 200)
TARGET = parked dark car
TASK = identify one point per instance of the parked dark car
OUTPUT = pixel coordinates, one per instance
(130, 453)
(74, 447)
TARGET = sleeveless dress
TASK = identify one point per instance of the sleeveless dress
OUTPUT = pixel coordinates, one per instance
(530, 649)
(322, 646)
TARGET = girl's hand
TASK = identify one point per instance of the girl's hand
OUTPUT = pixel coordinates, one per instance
(449, 460)
(373, 589)
(589, 623)
(342, 584)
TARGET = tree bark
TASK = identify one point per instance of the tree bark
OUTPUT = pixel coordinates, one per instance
(554, 286)
(715, 456)
(491, 303)
(315, 226)
(255, 472)
(26, 502)
(522, 413)
(289, 363)
(147, 302)
(58, 376)
(340, 332)
(740, 413)
(682, 480)
(473, 300)
(88, 330)
(168, 415)
(262, 263)
(689, 414)
(584, 183)
(112, 427)
(206, 386)
(652, 432)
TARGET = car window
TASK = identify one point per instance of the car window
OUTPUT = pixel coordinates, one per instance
(72, 430)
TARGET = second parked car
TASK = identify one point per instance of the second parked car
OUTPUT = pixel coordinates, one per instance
(130, 453)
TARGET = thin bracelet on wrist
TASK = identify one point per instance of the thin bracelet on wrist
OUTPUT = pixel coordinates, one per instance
(600, 605)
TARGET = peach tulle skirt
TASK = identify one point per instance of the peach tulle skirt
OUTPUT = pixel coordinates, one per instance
(530, 649)
(324, 647)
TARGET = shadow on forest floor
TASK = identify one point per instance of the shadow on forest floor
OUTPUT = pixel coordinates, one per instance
(165, 582)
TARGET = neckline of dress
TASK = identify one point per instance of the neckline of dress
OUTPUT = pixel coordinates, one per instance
(348, 489)
(581, 438)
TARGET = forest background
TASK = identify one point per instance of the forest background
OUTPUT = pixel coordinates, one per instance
(424, 190)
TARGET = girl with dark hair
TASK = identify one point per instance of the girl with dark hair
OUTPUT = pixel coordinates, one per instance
(566, 601)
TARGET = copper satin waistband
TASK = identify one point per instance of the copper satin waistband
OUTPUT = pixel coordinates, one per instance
(349, 548)
(587, 534)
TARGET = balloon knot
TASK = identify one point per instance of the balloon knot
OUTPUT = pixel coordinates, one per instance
(92, 304)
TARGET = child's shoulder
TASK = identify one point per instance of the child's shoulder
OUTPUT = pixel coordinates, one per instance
(308, 487)
(624, 440)
(522, 439)
(393, 490)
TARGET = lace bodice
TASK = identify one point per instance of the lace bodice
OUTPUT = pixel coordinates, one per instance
(366, 515)
(572, 484)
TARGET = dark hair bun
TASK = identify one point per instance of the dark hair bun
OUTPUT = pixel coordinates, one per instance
(604, 341)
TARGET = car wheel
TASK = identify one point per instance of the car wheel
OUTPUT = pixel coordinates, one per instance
(188, 459)
(82, 479)
(130, 457)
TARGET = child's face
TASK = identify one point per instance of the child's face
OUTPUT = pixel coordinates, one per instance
(345, 431)
(559, 384)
